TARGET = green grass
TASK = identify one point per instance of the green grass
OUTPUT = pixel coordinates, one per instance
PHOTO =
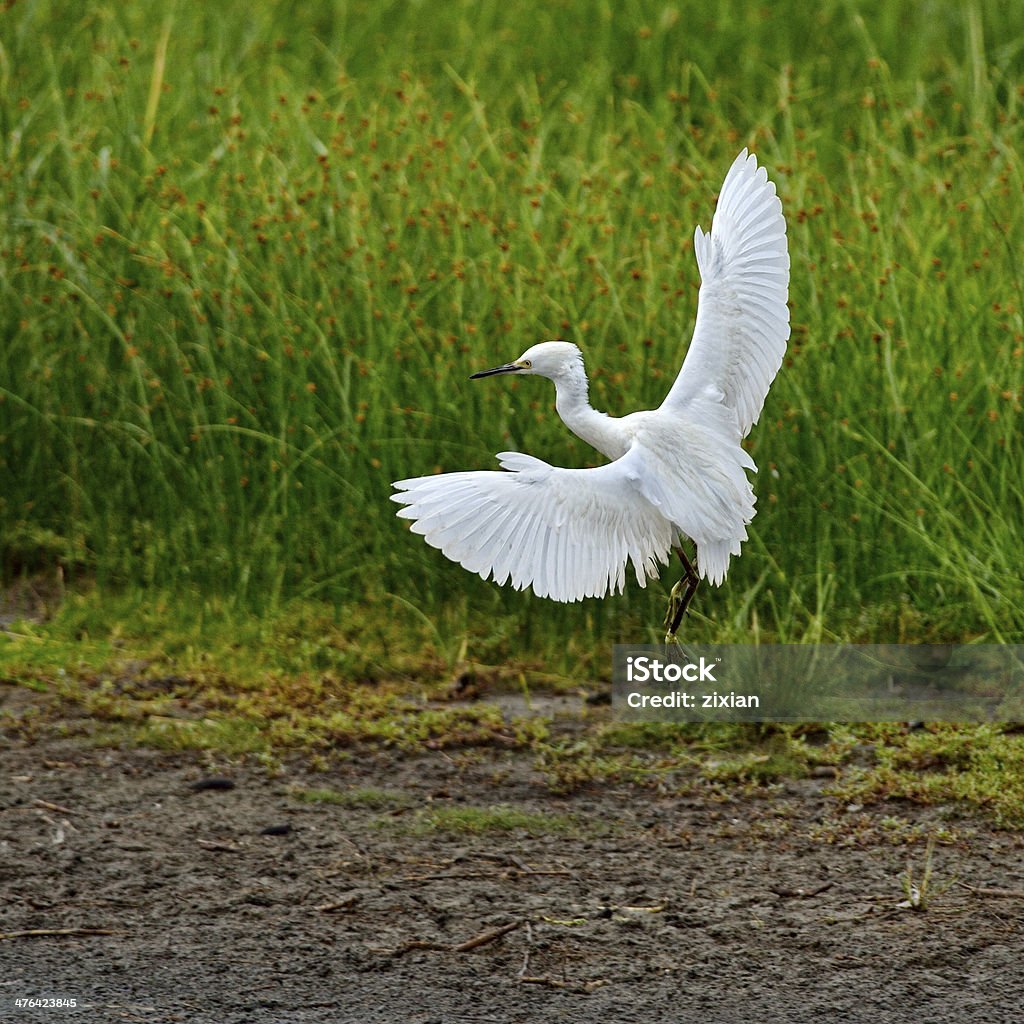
(117, 670)
(251, 252)
(279, 687)
(500, 818)
(957, 768)
(365, 798)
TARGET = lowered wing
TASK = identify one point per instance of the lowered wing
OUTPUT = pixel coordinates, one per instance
(567, 533)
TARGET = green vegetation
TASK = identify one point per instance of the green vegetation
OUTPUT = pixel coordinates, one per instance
(367, 797)
(251, 253)
(978, 767)
(499, 818)
(269, 686)
(283, 685)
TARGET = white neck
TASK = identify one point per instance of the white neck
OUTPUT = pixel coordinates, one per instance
(572, 403)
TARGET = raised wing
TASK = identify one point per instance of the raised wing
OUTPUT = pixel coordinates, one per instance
(742, 325)
(567, 533)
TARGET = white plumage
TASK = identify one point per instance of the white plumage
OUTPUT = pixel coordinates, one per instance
(678, 470)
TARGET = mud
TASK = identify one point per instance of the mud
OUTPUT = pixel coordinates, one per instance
(633, 906)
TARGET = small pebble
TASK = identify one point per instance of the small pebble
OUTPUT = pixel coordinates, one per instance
(212, 782)
(276, 830)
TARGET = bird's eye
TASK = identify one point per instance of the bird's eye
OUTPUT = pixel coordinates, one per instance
(526, 364)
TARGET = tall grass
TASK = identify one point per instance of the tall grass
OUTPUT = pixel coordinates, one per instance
(251, 253)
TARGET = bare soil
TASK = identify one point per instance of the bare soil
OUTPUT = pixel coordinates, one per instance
(144, 899)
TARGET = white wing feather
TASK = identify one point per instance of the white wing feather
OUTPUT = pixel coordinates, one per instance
(739, 339)
(567, 533)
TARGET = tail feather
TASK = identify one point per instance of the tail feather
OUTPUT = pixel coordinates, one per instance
(713, 558)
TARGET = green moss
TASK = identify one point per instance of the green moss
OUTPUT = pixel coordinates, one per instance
(500, 818)
(364, 797)
(148, 670)
(963, 769)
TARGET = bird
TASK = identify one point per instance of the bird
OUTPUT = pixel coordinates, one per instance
(675, 472)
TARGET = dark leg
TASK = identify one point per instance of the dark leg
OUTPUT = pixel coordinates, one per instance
(680, 598)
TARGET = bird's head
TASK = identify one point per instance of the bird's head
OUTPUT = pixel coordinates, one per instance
(551, 359)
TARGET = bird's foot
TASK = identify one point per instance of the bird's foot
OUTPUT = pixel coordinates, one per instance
(678, 599)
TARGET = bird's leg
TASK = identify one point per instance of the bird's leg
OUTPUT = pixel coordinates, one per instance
(680, 598)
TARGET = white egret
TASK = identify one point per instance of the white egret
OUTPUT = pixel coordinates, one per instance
(676, 471)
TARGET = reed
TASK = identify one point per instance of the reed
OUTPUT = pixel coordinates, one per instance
(251, 253)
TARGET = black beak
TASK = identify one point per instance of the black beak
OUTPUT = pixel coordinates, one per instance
(507, 368)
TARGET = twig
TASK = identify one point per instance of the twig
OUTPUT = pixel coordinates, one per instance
(463, 947)
(448, 876)
(332, 908)
(500, 858)
(39, 932)
(486, 937)
(572, 986)
(529, 948)
(1011, 894)
(60, 809)
(539, 872)
(439, 877)
(209, 844)
(514, 861)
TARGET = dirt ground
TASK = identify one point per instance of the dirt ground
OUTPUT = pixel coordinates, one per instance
(177, 906)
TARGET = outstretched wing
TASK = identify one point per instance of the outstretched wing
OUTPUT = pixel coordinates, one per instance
(742, 325)
(567, 533)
